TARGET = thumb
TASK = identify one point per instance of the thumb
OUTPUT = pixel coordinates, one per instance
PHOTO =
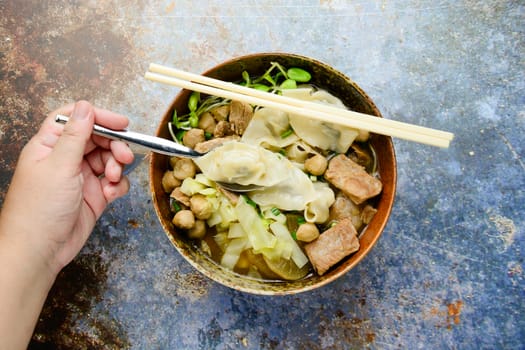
(70, 147)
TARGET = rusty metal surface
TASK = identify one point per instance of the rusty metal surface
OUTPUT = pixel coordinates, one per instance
(448, 271)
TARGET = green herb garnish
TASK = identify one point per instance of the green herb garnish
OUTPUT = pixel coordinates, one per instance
(176, 206)
(250, 201)
(299, 75)
(286, 133)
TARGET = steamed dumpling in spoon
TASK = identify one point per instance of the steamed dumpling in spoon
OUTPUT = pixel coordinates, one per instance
(238, 162)
(284, 185)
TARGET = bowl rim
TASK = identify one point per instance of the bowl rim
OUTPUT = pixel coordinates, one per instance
(284, 288)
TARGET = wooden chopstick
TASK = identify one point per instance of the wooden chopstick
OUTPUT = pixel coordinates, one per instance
(177, 73)
(317, 111)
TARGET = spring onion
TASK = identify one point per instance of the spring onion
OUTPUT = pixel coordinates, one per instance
(175, 205)
(249, 201)
(286, 133)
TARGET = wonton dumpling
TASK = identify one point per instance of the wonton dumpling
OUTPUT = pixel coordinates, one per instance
(284, 185)
(320, 134)
(292, 193)
(299, 151)
(298, 192)
(309, 93)
(323, 96)
(244, 164)
(318, 210)
(301, 93)
(266, 128)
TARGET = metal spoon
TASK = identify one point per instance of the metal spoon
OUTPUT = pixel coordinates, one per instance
(157, 145)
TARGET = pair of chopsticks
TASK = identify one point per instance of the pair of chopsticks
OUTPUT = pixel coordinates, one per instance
(326, 113)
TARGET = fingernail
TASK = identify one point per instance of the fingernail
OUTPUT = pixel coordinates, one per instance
(81, 111)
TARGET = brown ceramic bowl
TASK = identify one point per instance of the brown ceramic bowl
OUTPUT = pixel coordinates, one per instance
(324, 77)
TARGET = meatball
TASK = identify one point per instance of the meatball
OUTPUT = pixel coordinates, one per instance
(184, 168)
(307, 232)
(221, 112)
(207, 122)
(184, 219)
(316, 165)
(169, 181)
(173, 161)
(193, 137)
(198, 231)
(201, 207)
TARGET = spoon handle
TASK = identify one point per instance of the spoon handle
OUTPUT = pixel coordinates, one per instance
(155, 144)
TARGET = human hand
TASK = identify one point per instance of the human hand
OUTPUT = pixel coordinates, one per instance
(65, 178)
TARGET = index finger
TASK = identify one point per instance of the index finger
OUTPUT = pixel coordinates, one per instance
(110, 119)
(103, 117)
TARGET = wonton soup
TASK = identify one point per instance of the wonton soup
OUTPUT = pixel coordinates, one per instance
(318, 182)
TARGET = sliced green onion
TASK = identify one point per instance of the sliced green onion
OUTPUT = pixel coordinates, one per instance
(250, 201)
(286, 133)
(294, 235)
(301, 220)
(176, 206)
(275, 211)
(208, 135)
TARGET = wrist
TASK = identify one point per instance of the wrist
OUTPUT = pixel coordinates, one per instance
(25, 281)
(24, 255)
